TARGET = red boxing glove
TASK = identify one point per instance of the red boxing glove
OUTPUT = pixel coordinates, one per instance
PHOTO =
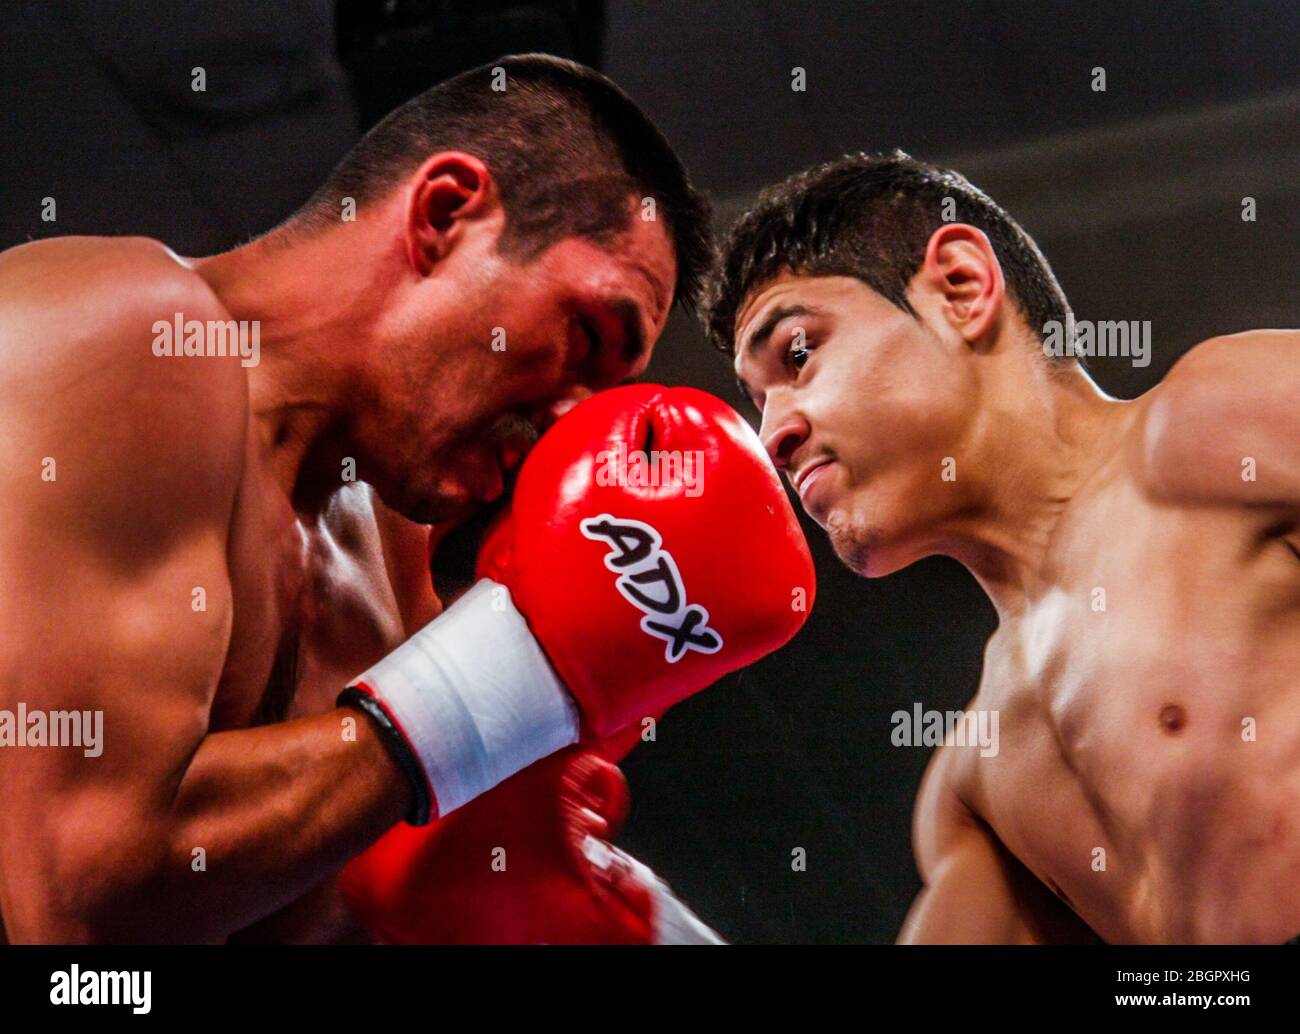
(645, 589)
(526, 863)
(649, 549)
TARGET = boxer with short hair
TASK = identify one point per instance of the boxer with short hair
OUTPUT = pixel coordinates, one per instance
(202, 547)
(888, 320)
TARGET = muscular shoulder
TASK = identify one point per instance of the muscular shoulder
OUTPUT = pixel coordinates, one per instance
(75, 301)
(1233, 362)
(93, 291)
(1222, 426)
(124, 428)
(63, 268)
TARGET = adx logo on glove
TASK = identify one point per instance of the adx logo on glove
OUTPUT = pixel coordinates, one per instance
(649, 580)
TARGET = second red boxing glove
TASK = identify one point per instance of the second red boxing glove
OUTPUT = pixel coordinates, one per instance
(527, 863)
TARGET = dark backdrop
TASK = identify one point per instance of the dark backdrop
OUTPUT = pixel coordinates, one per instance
(1134, 194)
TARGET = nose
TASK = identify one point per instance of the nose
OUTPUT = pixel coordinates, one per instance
(782, 433)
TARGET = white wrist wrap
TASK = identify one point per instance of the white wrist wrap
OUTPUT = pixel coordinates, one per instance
(474, 696)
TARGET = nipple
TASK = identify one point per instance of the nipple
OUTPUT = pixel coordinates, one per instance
(1172, 718)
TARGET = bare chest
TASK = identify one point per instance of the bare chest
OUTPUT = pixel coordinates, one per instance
(313, 606)
(1152, 663)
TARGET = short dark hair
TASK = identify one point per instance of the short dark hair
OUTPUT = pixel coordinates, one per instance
(870, 217)
(566, 148)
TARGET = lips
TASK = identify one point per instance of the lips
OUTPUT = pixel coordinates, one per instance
(801, 479)
(813, 484)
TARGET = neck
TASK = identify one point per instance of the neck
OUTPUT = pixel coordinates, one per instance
(1041, 437)
(317, 316)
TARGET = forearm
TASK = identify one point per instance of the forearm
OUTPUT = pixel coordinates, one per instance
(260, 817)
(321, 916)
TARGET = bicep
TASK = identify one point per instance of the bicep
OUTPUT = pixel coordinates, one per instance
(969, 897)
(116, 602)
(975, 891)
(135, 654)
(119, 671)
(966, 895)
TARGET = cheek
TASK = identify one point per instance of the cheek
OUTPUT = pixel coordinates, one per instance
(884, 414)
(850, 405)
(533, 366)
(522, 350)
(510, 320)
(533, 333)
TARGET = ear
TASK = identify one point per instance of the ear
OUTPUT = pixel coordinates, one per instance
(961, 268)
(448, 190)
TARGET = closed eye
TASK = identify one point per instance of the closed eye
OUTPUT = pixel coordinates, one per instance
(592, 334)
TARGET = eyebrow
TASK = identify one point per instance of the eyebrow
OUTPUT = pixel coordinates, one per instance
(759, 338)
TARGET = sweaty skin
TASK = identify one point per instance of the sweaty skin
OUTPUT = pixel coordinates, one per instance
(1147, 785)
(176, 475)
